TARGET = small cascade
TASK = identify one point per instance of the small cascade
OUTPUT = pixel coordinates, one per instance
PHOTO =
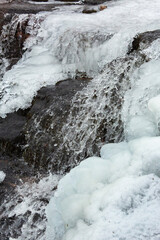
(95, 115)
(16, 29)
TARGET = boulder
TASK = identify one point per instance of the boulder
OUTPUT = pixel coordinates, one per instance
(45, 121)
(21, 137)
(89, 10)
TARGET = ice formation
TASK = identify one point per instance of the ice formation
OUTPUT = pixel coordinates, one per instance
(2, 176)
(74, 42)
(116, 196)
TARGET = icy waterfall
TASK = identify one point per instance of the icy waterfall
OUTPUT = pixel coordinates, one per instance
(116, 195)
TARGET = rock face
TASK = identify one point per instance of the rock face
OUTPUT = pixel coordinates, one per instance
(12, 38)
(89, 10)
(143, 40)
(39, 127)
(11, 134)
(15, 29)
(46, 118)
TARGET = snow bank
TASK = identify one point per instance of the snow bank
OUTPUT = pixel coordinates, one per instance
(112, 197)
(115, 196)
(2, 176)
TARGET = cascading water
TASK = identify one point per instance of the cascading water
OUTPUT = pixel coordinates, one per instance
(115, 196)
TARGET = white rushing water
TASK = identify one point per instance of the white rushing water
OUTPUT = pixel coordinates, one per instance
(114, 196)
(68, 42)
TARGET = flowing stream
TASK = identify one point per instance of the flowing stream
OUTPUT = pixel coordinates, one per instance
(115, 194)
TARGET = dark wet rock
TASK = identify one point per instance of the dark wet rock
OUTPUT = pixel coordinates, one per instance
(89, 10)
(33, 133)
(14, 33)
(25, 6)
(46, 119)
(94, 2)
(30, 223)
(1, 20)
(143, 40)
(16, 171)
(11, 226)
(5, 222)
(39, 0)
(12, 137)
(36, 217)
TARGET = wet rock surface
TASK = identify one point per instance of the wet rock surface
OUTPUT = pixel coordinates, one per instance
(11, 134)
(16, 171)
(143, 40)
(23, 208)
(94, 2)
(20, 131)
(25, 7)
(88, 10)
(14, 32)
(46, 118)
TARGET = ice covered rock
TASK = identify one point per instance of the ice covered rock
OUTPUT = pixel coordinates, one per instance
(154, 106)
(2, 176)
(109, 196)
(93, 2)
